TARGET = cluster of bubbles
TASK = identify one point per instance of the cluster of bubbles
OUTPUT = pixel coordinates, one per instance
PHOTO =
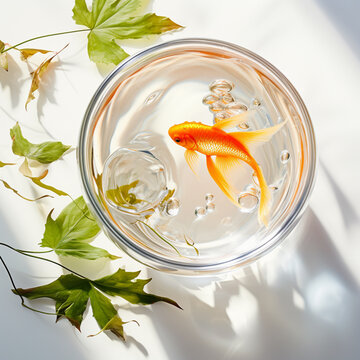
(222, 103)
(201, 211)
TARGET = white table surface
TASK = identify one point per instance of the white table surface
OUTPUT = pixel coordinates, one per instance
(299, 302)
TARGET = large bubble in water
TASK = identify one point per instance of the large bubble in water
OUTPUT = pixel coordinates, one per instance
(134, 181)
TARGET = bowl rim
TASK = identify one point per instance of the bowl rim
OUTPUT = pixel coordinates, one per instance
(151, 259)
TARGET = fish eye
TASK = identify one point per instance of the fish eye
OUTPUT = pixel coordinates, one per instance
(177, 139)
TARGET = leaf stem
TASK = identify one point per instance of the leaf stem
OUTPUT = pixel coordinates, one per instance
(161, 237)
(35, 252)
(43, 36)
(27, 253)
(18, 293)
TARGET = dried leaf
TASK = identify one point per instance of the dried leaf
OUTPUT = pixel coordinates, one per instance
(45, 153)
(37, 181)
(70, 233)
(2, 164)
(26, 53)
(3, 57)
(37, 75)
(111, 20)
(18, 194)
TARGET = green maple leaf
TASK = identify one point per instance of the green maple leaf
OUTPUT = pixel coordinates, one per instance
(112, 20)
(72, 294)
(70, 233)
(45, 153)
(105, 313)
(122, 284)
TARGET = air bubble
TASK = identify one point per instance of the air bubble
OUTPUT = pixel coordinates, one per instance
(243, 126)
(236, 107)
(250, 188)
(256, 102)
(210, 99)
(156, 168)
(222, 115)
(216, 106)
(209, 198)
(227, 99)
(284, 156)
(248, 202)
(221, 87)
(152, 97)
(210, 207)
(172, 207)
(200, 211)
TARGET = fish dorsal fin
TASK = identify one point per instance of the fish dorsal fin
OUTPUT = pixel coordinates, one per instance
(251, 139)
(233, 121)
(192, 159)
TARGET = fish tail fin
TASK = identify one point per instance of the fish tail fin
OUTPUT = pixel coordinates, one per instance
(220, 180)
(265, 197)
(257, 137)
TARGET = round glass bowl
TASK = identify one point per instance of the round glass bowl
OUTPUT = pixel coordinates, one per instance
(138, 184)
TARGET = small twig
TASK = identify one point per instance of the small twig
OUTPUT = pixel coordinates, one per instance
(18, 293)
(27, 253)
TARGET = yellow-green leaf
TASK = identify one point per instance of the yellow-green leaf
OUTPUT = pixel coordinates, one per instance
(113, 20)
(72, 231)
(45, 152)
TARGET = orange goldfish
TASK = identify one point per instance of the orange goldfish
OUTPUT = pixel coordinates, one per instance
(228, 148)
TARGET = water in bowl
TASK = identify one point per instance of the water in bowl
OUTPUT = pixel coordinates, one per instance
(144, 181)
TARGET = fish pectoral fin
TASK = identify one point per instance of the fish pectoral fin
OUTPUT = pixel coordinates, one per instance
(192, 158)
(217, 174)
(257, 137)
(234, 121)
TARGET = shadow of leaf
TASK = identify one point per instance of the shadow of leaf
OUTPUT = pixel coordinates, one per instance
(12, 80)
(298, 302)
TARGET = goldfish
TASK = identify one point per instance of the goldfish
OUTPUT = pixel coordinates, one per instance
(229, 149)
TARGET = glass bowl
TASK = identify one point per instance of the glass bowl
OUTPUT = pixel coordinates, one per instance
(133, 109)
